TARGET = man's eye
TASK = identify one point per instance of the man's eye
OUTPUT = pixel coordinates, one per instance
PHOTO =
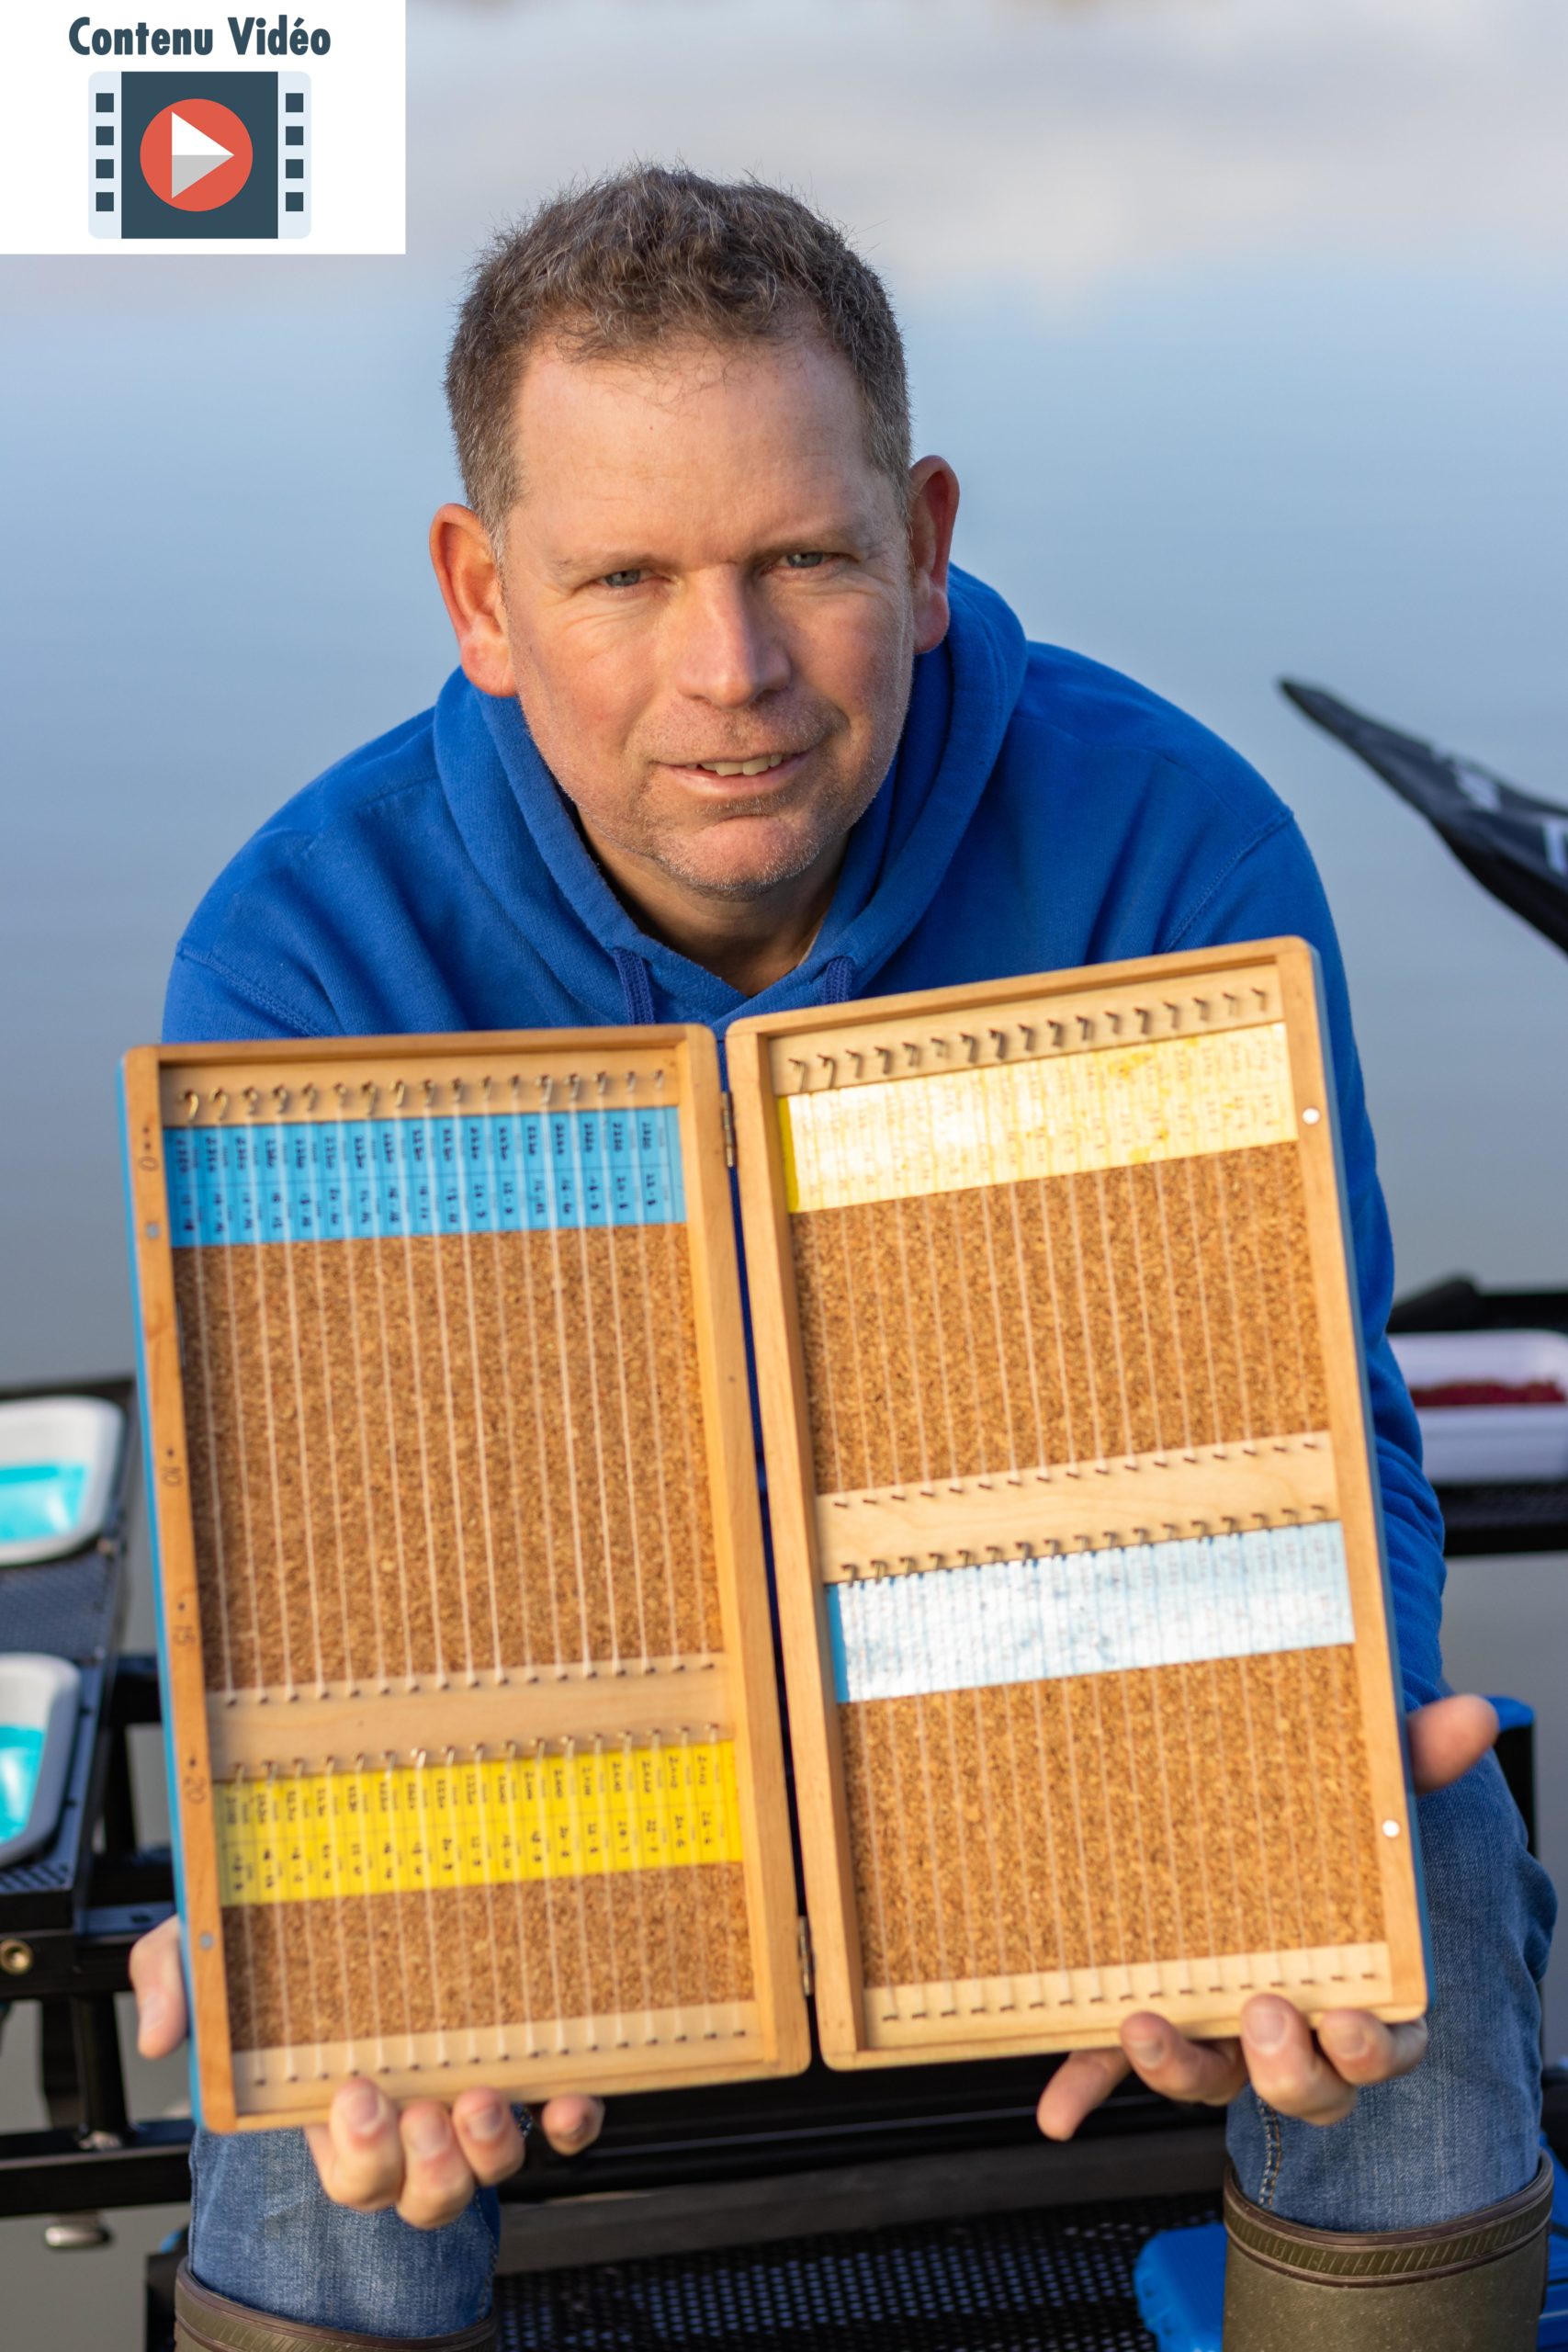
(806, 560)
(621, 579)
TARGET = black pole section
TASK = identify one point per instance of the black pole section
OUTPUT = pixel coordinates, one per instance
(98, 2069)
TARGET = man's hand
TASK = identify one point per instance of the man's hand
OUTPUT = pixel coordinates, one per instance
(1313, 2078)
(426, 2160)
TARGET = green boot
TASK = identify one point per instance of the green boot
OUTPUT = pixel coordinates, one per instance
(1474, 2285)
(208, 2323)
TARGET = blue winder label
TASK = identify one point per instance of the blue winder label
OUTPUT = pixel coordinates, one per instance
(386, 1179)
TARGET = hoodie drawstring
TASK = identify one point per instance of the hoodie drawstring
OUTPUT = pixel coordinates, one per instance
(838, 976)
(636, 984)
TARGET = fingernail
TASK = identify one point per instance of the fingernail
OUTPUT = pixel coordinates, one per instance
(154, 2012)
(1266, 2024)
(1147, 2049)
(428, 2131)
(1353, 2041)
(487, 2123)
(359, 2105)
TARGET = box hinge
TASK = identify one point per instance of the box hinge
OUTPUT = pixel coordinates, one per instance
(803, 1946)
(727, 1120)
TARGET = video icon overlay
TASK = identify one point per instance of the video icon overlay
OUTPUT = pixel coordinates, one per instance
(199, 154)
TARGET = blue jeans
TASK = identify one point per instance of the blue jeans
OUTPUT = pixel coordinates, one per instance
(1463, 2131)
(1459, 2133)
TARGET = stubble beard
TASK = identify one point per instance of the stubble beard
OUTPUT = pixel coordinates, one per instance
(680, 858)
(833, 817)
(833, 812)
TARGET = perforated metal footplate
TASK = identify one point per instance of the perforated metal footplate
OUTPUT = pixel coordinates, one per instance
(1054, 2281)
(70, 1608)
(1505, 1519)
(63, 1606)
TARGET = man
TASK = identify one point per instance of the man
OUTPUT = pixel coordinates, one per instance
(728, 737)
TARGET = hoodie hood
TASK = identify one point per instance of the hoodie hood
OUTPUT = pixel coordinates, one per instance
(548, 888)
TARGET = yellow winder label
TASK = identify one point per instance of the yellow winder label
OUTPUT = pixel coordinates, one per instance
(404, 1829)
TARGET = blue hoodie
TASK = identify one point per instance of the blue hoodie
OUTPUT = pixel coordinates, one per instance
(1040, 812)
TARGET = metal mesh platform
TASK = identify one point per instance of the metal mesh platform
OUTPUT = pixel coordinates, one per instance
(67, 1607)
(71, 1608)
(63, 1606)
(1052, 2281)
(43, 1892)
(1505, 1519)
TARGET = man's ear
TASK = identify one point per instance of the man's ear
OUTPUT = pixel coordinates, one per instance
(934, 510)
(470, 579)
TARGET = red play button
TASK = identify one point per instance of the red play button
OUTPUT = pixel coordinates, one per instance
(196, 154)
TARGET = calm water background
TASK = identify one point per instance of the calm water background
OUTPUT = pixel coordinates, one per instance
(1245, 325)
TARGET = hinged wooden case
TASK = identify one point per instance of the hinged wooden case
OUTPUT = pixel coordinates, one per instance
(474, 1734)
(473, 1726)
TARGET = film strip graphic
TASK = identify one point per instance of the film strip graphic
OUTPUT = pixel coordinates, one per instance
(185, 154)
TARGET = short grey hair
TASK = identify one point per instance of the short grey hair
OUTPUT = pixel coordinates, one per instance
(654, 255)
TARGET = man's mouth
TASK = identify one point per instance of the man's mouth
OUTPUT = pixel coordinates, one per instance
(747, 786)
(759, 766)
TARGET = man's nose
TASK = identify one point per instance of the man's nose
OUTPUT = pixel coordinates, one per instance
(731, 651)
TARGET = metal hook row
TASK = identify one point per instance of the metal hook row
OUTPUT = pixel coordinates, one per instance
(1055, 1548)
(1076, 1031)
(567, 1745)
(1137, 1465)
(274, 1103)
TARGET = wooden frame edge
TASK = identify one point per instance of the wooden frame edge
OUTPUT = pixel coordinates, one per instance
(738, 1532)
(872, 1011)
(176, 1599)
(821, 1812)
(1378, 1694)
(534, 2084)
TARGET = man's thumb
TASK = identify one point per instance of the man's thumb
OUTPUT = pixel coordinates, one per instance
(1447, 1738)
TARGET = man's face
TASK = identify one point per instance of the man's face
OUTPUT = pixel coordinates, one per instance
(706, 571)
